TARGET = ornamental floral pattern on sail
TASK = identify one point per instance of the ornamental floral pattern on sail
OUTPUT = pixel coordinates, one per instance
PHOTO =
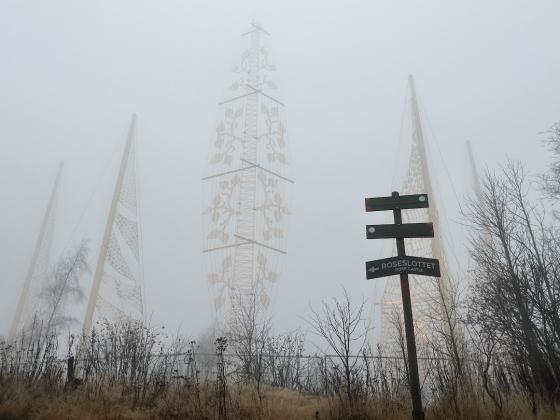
(249, 63)
(272, 208)
(223, 280)
(274, 136)
(245, 218)
(264, 275)
(228, 137)
(222, 210)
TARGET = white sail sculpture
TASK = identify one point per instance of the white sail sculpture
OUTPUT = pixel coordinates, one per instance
(247, 190)
(477, 187)
(30, 304)
(116, 293)
(429, 295)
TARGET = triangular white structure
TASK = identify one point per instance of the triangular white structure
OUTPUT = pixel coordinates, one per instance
(429, 295)
(30, 304)
(116, 293)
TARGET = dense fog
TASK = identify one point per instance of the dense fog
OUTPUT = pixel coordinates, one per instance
(74, 72)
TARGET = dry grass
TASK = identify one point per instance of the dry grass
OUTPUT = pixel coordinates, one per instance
(121, 378)
(181, 402)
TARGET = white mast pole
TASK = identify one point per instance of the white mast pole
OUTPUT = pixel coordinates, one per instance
(26, 286)
(244, 269)
(108, 232)
(437, 249)
(474, 171)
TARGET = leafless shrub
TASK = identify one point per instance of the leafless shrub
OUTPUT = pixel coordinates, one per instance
(342, 326)
(249, 331)
(284, 360)
(32, 357)
(130, 357)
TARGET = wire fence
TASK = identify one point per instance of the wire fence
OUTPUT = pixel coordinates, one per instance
(138, 362)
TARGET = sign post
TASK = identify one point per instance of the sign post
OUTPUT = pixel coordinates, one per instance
(403, 265)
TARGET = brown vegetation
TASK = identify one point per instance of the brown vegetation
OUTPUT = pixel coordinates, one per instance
(178, 402)
(128, 372)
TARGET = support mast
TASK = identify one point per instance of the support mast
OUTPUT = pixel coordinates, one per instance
(41, 246)
(431, 296)
(103, 252)
(243, 267)
(474, 171)
(436, 243)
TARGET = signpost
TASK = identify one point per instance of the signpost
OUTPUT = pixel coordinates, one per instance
(403, 265)
(416, 201)
(408, 230)
(397, 265)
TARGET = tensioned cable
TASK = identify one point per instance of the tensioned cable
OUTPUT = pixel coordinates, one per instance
(103, 174)
(447, 238)
(378, 291)
(382, 244)
(448, 173)
(140, 230)
(400, 136)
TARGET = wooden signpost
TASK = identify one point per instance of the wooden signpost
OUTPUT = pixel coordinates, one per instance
(403, 265)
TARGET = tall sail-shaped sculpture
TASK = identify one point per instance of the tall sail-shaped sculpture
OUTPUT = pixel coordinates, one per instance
(116, 292)
(429, 295)
(474, 171)
(29, 304)
(247, 190)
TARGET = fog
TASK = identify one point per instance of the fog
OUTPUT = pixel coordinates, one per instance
(73, 72)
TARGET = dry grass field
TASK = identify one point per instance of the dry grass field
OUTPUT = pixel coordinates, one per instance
(19, 402)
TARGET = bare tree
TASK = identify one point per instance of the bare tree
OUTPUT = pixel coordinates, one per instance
(343, 326)
(446, 345)
(63, 286)
(249, 331)
(515, 298)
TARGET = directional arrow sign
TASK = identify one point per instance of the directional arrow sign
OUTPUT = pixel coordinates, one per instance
(407, 230)
(416, 201)
(398, 265)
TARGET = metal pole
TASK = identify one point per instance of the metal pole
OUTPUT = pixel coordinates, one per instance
(414, 380)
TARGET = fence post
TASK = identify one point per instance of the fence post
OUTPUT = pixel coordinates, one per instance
(70, 371)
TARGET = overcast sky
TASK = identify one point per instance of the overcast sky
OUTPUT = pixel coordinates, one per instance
(72, 72)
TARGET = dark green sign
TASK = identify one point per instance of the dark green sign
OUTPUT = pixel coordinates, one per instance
(407, 230)
(416, 201)
(398, 265)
